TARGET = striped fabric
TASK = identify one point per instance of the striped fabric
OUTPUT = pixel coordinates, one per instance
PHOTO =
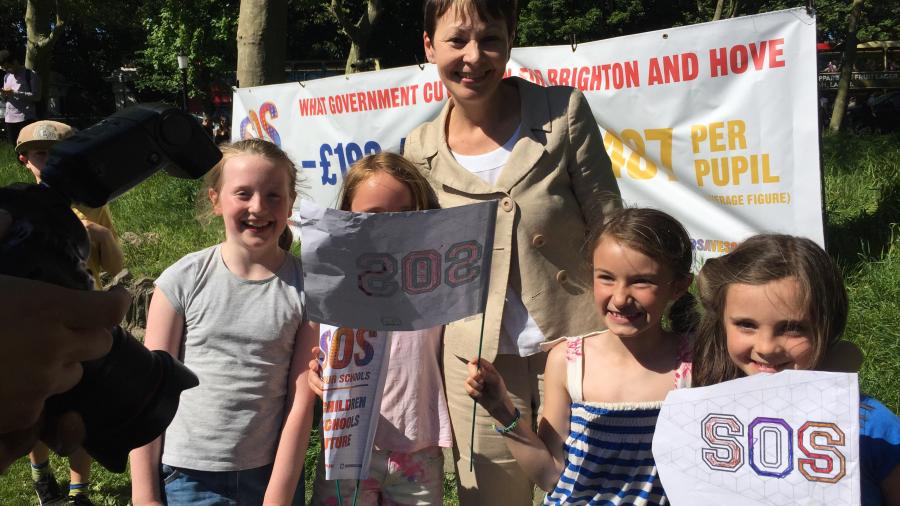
(608, 458)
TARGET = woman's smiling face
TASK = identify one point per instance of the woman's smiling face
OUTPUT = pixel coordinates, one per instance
(470, 53)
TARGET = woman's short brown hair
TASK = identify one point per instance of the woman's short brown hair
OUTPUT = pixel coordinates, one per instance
(486, 10)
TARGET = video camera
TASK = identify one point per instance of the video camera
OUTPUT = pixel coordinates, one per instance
(128, 397)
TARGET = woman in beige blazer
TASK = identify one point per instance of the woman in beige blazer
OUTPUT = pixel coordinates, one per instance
(539, 152)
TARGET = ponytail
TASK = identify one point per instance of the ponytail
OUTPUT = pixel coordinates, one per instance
(683, 315)
(286, 239)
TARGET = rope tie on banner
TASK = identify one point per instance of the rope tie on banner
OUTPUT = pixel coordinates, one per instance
(420, 65)
(572, 42)
(811, 7)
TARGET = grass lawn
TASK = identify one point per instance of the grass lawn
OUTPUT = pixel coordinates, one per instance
(862, 198)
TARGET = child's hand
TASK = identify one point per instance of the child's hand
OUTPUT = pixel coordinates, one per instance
(314, 378)
(487, 387)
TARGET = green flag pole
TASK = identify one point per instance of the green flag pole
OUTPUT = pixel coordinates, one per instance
(486, 266)
(474, 402)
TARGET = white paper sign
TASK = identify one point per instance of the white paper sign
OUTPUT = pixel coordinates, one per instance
(715, 123)
(354, 369)
(396, 271)
(786, 439)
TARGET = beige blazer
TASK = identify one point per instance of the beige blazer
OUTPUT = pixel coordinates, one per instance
(557, 183)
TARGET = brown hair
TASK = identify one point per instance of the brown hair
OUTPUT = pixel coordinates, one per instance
(486, 10)
(662, 238)
(759, 260)
(258, 147)
(397, 167)
(650, 231)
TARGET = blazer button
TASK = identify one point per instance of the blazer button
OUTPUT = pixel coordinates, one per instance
(538, 241)
(507, 204)
(562, 276)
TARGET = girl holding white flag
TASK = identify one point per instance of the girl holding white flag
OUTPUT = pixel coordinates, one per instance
(604, 389)
(407, 462)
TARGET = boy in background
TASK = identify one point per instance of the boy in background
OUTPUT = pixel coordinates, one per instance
(32, 147)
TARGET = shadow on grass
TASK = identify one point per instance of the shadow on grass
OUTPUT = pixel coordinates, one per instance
(844, 152)
(867, 236)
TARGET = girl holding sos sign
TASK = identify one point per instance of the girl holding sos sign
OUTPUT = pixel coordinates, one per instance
(778, 302)
(407, 461)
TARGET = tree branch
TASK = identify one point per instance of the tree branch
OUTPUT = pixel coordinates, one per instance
(352, 31)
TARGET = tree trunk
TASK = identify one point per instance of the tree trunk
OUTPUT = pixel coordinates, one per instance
(849, 58)
(718, 14)
(261, 35)
(358, 32)
(42, 24)
(356, 54)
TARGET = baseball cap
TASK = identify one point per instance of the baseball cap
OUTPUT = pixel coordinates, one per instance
(42, 135)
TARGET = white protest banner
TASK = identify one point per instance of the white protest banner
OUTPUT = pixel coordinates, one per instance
(715, 123)
(396, 271)
(785, 439)
(353, 373)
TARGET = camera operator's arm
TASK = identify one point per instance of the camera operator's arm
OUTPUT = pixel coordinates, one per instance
(292, 443)
(165, 331)
(111, 258)
(47, 332)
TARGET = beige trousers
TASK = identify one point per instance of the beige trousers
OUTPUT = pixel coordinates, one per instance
(496, 478)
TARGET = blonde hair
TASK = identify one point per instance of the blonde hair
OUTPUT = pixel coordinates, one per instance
(395, 166)
(258, 147)
(759, 260)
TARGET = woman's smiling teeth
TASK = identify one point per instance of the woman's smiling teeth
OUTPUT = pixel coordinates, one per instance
(473, 76)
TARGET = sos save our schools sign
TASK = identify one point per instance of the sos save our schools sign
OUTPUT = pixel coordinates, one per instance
(790, 438)
(396, 271)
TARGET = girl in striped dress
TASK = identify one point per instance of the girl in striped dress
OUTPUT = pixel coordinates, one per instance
(603, 390)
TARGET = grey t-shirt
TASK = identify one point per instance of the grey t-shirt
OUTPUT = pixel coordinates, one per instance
(239, 340)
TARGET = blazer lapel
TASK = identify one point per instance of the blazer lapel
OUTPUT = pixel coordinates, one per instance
(443, 166)
(536, 124)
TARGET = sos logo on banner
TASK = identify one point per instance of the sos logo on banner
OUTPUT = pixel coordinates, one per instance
(259, 126)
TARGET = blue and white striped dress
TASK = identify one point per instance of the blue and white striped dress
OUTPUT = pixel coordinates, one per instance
(608, 458)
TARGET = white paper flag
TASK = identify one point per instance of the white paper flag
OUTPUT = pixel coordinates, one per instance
(396, 271)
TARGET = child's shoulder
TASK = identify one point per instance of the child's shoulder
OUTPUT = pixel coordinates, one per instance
(192, 263)
(569, 347)
(877, 421)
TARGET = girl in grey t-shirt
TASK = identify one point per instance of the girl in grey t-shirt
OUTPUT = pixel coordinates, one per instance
(234, 314)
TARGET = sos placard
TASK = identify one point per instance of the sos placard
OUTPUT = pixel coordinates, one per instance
(790, 438)
(396, 271)
(354, 364)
